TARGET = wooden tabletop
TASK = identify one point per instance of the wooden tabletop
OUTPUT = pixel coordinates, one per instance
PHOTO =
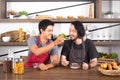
(58, 73)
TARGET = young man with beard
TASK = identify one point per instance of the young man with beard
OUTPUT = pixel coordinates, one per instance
(43, 52)
(78, 52)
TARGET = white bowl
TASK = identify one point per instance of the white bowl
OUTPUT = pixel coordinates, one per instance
(6, 39)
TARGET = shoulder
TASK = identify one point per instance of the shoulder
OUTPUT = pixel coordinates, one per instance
(88, 41)
(67, 41)
(33, 39)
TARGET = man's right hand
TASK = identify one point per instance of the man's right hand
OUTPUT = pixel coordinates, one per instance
(59, 40)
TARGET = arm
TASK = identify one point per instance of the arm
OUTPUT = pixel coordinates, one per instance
(38, 51)
(65, 54)
(64, 61)
(54, 62)
(93, 62)
(92, 55)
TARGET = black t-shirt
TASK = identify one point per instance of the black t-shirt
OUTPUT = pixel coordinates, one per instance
(90, 49)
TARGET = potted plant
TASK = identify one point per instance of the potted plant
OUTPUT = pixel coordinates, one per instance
(23, 14)
(109, 14)
(11, 13)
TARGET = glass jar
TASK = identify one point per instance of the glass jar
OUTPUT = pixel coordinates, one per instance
(21, 66)
(7, 65)
(16, 66)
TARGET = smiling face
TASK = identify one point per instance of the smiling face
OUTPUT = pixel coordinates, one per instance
(48, 32)
(73, 32)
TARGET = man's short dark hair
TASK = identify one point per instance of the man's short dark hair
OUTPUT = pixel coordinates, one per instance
(80, 28)
(44, 24)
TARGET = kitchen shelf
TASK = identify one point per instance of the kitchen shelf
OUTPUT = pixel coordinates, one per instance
(107, 43)
(13, 43)
(100, 43)
(117, 20)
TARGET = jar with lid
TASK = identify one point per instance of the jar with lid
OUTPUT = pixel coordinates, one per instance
(19, 66)
(16, 66)
(7, 65)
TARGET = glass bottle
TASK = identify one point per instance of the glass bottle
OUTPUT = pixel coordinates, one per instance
(16, 66)
(90, 12)
(21, 66)
(20, 35)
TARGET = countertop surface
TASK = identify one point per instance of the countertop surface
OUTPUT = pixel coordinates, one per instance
(58, 73)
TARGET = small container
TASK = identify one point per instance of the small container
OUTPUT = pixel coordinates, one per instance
(19, 66)
(74, 66)
(7, 65)
(16, 66)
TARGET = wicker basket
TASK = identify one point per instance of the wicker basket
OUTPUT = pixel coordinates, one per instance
(101, 60)
(109, 72)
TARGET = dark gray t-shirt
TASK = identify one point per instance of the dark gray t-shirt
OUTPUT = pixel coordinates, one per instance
(34, 41)
(91, 51)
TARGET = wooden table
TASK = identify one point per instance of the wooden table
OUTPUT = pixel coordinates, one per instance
(58, 73)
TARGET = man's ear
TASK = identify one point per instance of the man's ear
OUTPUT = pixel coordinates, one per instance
(41, 30)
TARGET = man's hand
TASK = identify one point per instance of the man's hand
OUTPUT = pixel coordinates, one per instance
(59, 40)
(43, 67)
(85, 66)
(64, 62)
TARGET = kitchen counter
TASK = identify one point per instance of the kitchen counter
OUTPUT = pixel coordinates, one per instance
(58, 73)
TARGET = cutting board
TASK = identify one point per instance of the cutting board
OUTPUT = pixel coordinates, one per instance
(14, 35)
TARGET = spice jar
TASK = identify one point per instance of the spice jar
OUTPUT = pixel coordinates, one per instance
(19, 66)
(16, 66)
(7, 65)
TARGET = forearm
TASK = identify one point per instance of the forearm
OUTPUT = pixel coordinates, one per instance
(93, 62)
(42, 50)
(50, 65)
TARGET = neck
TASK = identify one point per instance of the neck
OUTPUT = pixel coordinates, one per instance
(78, 41)
(43, 39)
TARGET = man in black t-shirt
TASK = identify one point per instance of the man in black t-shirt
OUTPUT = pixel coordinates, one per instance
(78, 52)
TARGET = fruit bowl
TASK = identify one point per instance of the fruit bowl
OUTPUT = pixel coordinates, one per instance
(109, 72)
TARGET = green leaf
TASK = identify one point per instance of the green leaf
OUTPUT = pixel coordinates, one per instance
(113, 55)
(23, 13)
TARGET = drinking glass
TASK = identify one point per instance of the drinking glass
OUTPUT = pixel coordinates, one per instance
(104, 38)
(98, 38)
(110, 37)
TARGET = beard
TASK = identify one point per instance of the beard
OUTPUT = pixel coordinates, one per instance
(73, 37)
